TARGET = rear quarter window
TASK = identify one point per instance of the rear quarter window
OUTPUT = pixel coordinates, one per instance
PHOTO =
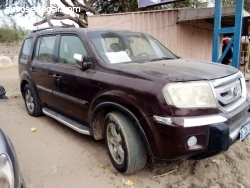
(24, 55)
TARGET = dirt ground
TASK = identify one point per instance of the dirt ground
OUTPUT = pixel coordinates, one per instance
(56, 157)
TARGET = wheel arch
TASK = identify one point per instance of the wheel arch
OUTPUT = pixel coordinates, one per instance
(22, 85)
(98, 118)
(26, 79)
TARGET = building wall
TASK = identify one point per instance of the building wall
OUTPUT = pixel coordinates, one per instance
(190, 39)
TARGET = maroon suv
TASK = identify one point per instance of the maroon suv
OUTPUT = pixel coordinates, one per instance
(127, 88)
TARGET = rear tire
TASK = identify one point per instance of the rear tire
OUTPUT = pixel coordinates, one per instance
(31, 103)
(126, 149)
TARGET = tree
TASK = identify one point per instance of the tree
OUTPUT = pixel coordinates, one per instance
(247, 5)
(232, 3)
(120, 6)
(80, 13)
(116, 6)
(19, 3)
(79, 9)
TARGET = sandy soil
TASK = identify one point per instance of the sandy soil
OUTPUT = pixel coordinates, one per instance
(55, 156)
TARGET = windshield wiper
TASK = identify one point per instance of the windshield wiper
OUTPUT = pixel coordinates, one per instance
(161, 58)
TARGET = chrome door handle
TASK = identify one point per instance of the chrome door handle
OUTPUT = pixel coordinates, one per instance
(56, 76)
(32, 69)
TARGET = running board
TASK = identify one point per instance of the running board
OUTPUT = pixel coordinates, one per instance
(68, 122)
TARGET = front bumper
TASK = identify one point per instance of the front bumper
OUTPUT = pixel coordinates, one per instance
(214, 134)
(221, 137)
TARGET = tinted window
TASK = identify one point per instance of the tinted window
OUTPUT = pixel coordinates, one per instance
(69, 46)
(44, 48)
(26, 48)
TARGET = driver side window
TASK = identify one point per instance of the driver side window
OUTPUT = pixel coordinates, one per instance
(69, 46)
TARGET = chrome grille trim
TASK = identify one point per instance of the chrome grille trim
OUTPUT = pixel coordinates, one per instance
(230, 92)
(226, 93)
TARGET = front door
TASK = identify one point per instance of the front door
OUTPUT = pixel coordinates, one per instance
(71, 86)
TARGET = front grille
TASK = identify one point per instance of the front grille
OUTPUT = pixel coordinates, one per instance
(238, 119)
(228, 92)
(223, 94)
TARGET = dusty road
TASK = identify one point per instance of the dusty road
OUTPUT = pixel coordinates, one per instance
(57, 157)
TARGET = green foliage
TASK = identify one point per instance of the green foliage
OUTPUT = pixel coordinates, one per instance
(21, 3)
(247, 5)
(120, 6)
(11, 35)
(10, 31)
(228, 2)
(115, 6)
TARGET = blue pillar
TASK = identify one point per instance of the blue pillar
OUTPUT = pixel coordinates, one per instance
(217, 27)
(235, 31)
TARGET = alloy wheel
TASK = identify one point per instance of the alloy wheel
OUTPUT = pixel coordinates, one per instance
(115, 143)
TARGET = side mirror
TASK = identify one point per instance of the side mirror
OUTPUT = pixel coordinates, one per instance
(81, 63)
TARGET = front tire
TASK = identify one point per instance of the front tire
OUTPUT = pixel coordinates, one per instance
(126, 149)
(31, 103)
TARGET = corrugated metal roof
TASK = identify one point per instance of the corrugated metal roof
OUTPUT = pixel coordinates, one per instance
(228, 14)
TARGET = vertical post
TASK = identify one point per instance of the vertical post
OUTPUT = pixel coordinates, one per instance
(217, 26)
(237, 32)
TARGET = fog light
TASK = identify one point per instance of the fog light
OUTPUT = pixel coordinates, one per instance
(192, 141)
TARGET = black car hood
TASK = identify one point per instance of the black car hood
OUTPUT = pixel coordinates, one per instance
(181, 69)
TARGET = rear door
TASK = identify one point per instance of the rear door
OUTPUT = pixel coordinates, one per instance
(71, 88)
(42, 67)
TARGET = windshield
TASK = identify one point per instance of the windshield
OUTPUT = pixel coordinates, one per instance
(124, 47)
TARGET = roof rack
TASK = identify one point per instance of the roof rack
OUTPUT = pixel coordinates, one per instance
(46, 28)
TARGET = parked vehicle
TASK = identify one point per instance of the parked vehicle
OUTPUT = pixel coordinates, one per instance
(2, 91)
(10, 174)
(127, 88)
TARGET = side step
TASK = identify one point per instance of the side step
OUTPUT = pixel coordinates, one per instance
(68, 122)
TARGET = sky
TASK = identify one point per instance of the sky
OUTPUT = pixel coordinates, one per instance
(27, 21)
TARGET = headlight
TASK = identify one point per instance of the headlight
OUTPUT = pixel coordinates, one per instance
(189, 95)
(6, 172)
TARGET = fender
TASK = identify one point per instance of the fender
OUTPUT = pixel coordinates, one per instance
(129, 114)
(136, 105)
(25, 77)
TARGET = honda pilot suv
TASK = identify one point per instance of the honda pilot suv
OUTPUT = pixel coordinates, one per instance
(127, 88)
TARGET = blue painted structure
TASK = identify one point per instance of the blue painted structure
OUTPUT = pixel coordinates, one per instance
(235, 31)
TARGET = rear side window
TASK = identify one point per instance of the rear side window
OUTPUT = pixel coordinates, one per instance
(69, 46)
(45, 48)
(26, 49)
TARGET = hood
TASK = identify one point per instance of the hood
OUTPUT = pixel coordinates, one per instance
(181, 69)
